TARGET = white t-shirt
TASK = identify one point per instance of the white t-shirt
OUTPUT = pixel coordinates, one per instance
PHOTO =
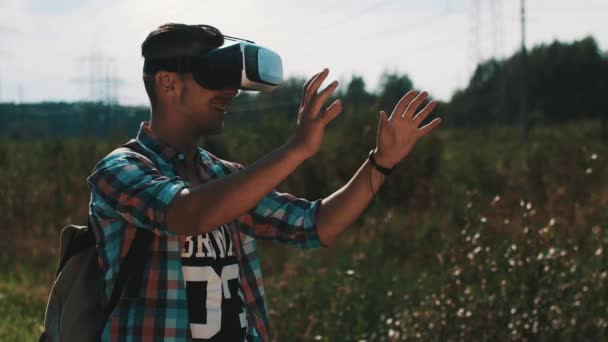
(216, 306)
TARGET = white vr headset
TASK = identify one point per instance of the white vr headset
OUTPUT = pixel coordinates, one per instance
(241, 65)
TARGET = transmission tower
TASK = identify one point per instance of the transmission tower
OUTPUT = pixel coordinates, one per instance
(496, 20)
(101, 80)
(474, 33)
(20, 94)
(486, 30)
(525, 124)
(0, 85)
(3, 54)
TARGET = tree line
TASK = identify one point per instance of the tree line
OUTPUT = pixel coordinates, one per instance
(565, 81)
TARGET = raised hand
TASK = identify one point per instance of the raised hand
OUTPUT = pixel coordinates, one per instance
(398, 133)
(311, 118)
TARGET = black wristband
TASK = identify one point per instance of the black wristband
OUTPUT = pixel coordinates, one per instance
(385, 171)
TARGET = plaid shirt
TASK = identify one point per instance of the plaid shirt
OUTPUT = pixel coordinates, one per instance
(128, 192)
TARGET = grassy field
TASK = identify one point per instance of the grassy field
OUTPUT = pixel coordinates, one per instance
(476, 235)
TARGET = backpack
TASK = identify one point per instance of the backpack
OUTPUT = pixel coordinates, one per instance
(76, 308)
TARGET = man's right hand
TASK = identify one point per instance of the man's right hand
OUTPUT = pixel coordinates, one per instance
(311, 119)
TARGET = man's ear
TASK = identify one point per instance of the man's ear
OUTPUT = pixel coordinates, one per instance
(165, 81)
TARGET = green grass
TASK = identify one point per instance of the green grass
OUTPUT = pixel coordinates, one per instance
(432, 258)
(24, 286)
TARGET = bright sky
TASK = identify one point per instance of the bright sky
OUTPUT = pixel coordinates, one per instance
(46, 46)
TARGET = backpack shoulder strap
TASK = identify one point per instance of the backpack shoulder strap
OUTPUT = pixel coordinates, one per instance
(73, 240)
(131, 269)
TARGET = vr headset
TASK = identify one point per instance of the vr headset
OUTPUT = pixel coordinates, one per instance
(242, 65)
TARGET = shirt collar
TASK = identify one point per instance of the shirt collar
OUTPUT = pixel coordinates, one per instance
(167, 151)
(154, 143)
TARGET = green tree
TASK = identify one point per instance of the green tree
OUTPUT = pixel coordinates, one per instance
(392, 88)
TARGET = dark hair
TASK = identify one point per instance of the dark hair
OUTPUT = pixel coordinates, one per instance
(170, 40)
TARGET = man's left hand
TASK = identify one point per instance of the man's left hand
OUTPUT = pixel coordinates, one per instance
(398, 133)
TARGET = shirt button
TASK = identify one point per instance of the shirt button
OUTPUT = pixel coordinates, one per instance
(180, 156)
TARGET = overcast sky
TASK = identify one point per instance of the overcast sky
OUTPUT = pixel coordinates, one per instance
(46, 45)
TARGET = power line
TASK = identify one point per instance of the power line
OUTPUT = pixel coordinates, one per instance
(402, 31)
(409, 28)
(7, 29)
(348, 18)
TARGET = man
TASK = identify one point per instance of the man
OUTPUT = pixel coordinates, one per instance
(202, 279)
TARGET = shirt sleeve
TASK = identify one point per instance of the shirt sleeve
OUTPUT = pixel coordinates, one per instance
(283, 217)
(129, 186)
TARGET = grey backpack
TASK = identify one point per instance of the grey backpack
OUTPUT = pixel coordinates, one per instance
(76, 308)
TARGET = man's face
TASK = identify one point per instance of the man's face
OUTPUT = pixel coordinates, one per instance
(206, 108)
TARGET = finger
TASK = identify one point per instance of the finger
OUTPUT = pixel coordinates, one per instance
(383, 119)
(314, 85)
(331, 112)
(403, 102)
(383, 122)
(413, 106)
(424, 112)
(305, 88)
(429, 127)
(319, 100)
